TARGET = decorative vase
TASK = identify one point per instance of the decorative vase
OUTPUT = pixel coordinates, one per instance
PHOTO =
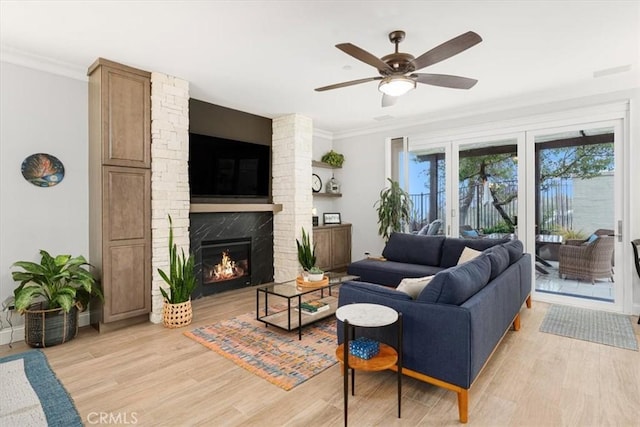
(49, 327)
(177, 315)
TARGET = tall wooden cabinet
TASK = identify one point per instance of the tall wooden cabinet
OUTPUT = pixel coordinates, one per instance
(120, 191)
(333, 246)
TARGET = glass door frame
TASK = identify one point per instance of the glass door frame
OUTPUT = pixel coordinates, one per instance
(540, 121)
(622, 284)
(459, 144)
(418, 144)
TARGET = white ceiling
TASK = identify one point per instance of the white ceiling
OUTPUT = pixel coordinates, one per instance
(266, 57)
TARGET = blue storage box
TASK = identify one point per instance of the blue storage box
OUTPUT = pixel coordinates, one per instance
(364, 348)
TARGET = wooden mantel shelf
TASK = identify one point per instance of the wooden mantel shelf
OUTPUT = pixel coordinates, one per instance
(237, 207)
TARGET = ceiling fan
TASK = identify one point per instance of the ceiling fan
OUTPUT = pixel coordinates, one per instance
(396, 70)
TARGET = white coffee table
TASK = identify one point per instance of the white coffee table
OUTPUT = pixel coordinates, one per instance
(368, 316)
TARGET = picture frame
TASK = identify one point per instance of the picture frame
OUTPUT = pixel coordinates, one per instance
(331, 218)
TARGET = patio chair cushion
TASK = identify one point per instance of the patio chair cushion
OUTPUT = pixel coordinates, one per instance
(469, 233)
(591, 239)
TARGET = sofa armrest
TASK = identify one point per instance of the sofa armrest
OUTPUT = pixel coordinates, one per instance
(436, 337)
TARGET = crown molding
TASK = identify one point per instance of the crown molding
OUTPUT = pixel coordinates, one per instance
(321, 133)
(42, 63)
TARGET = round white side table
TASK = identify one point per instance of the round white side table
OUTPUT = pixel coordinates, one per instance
(368, 316)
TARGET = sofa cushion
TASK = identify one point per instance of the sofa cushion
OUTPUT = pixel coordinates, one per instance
(499, 259)
(412, 286)
(388, 273)
(452, 248)
(515, 249)
(376, 291)
(468, 254)
(457, 284)
(414, 249)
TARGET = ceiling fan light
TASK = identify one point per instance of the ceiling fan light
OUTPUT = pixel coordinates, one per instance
(396, 86)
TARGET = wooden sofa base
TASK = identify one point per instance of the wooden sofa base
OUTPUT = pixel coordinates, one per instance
(463, 393)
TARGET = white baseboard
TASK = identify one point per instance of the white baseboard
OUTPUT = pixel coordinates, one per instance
(18, 330)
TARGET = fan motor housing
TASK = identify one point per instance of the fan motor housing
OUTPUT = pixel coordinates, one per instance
(401, 63)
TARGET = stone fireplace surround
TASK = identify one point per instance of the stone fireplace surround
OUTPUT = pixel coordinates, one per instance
(291, 181)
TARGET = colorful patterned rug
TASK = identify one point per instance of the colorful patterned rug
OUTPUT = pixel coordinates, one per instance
(272, 353)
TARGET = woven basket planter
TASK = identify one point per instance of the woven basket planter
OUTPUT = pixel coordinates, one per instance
(46, 328)
(177, 315)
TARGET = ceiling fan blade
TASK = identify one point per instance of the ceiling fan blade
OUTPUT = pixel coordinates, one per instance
(345, 84)
(447, 49)
(445, 80)
(364, 56)
(388, 101)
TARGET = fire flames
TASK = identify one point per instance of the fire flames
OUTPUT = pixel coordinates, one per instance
(226, 269)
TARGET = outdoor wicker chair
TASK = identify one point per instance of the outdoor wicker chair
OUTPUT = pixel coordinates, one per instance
(589, 261)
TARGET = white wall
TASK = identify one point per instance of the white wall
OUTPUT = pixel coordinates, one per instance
(41, 113)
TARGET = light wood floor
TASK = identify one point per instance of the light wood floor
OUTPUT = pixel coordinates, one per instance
(157, 377)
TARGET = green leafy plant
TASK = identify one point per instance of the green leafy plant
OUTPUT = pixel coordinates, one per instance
(58, 282)
(181, 278)
(315, 270)
(501, 227)
(570, 234)
(332, 158)
(306, 252)
(394, 209)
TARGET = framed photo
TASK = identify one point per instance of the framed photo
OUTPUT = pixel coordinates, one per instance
(331, 218)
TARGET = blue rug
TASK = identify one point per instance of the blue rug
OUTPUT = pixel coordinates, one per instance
(32, 395)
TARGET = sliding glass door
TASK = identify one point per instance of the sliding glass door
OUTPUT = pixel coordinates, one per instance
(559, 190)
(576, 206)
(487, 187)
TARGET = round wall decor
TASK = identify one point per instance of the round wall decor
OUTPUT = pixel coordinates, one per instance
(42, 170)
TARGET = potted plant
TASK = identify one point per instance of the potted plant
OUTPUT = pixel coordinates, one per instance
(333, 159)
(394, 209)
(307, 258)
(50, 295)
(177, 310)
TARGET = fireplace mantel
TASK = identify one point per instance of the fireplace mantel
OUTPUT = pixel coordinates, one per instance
(235, 207)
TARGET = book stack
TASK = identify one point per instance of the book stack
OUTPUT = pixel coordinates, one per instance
(314, 307)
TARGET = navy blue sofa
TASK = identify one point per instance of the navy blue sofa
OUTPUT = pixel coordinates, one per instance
(453, 326)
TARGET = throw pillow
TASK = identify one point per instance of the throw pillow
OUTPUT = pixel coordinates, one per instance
(469, 233)
(413, 286)
(467, 255)
(591, 239)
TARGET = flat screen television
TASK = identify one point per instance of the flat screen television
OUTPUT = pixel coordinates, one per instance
(226, 169)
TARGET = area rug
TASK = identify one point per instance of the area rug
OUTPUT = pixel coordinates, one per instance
(272, 353)
(590, 325)
(32, 395)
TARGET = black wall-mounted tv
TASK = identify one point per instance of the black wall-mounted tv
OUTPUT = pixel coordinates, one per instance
(225, 169)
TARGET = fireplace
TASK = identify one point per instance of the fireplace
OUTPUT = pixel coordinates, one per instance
(226, 263)
(232, 250)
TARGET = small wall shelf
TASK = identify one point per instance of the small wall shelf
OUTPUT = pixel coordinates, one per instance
(317, 164)
(328, 194)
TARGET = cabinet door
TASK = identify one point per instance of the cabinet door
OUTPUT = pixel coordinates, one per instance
(322, 240)
(126, 242)
(126, 118)
(341, 247)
